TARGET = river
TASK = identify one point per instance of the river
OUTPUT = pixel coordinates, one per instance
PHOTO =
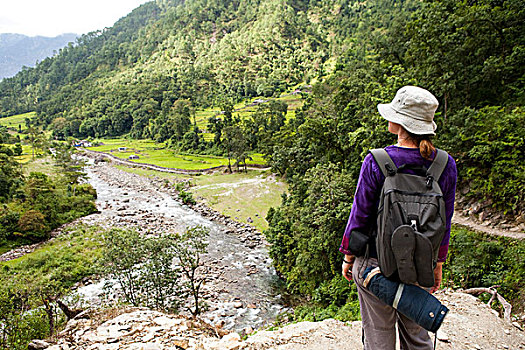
(241, 289)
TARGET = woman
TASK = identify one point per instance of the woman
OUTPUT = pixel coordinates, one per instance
(411, 117)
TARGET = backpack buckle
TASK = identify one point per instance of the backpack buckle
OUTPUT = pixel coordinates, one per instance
(429, 181)
(391, 171)
(413, 224)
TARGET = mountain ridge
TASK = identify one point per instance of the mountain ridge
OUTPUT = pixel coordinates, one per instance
(19, 50)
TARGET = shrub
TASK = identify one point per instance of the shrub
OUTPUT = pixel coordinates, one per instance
(488, 145)
(33, 225)
(19, 325)
(186, 197)
(479, 260)
(144, 267)
(17, 150)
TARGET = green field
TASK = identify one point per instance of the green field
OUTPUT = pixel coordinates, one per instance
(157, 154)
(243, 110)
(202, 116)
(14, 121)
(238, 195)
(241, 196)
(26, 152)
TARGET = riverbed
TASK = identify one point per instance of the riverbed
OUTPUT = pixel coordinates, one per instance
(241, 289)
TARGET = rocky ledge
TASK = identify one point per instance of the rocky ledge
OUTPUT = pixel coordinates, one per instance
(470, 324)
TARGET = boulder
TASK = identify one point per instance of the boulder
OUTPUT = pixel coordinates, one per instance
(38, 344)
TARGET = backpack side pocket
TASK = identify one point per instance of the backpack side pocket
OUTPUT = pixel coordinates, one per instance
(358, 243)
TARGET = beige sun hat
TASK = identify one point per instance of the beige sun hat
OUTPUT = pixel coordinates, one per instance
(413, 108)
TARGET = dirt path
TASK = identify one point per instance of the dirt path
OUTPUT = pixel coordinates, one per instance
(491, 230)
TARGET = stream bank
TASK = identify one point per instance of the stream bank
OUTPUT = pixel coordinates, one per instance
(242, 288)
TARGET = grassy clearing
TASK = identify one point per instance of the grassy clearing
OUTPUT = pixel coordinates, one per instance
(44, 165)
(238, 195)
(168, 159)
(257, 159)
(14, 121)
(241, 195)
(66, 259)
(40, 276)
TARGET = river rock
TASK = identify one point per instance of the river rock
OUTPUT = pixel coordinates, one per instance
(442, 336)
(38, 344)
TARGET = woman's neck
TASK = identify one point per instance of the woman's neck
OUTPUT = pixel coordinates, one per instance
(406, 142)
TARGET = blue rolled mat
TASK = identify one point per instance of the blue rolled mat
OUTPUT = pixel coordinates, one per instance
(412, 301)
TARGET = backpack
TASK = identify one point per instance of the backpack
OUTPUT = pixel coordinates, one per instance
(411, 219)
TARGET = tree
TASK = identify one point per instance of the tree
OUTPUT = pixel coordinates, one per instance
(159, 277)
(21, 321)
(236, 145)
(215, 126)
(71, 167)
(466, 52)
(192, 244)
(124, 251)
(264, 125)
(36, 139)
(4, 134)
(10, 177)
(144, 267)
(59, 126)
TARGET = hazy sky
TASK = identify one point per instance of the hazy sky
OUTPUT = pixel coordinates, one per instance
(54, 17)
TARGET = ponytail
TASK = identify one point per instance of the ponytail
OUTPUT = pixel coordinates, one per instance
(426, 148)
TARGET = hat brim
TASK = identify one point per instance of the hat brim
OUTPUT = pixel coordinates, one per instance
(414, 126)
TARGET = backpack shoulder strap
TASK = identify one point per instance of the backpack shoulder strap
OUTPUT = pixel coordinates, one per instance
(438, 165)
(387, 166)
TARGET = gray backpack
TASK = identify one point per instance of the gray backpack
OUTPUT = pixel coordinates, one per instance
(410, 220)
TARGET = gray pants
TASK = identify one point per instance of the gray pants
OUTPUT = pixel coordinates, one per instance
(379, 319)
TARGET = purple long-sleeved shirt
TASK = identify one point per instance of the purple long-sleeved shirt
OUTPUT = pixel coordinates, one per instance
(366, 200)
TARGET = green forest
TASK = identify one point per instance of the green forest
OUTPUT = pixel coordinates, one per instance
(148, 75)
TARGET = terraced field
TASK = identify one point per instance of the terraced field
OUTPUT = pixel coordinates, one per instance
(246, 108)
(17, 122)
(150, 152)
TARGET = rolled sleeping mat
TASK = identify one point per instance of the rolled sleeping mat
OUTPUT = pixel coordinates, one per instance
(410, 300)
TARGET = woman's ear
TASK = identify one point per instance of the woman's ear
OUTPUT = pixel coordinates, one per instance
(393, 127)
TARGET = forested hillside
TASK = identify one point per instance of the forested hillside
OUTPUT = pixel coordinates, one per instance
(146, 76)
(470, 54)
(114, 82)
